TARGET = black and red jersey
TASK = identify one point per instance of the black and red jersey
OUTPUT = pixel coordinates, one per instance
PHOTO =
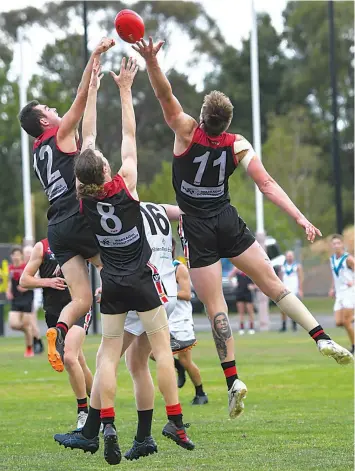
(201, 173)
(117, 222)
(55, 170)
(49, 268)
(15, 275)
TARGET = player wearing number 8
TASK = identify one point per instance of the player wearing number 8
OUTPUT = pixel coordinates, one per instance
(129, 281)
(205, 157)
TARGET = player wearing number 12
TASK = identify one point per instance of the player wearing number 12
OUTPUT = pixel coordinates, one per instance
(205, 157)
(69, 236)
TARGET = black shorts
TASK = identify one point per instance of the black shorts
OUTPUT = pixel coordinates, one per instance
(244, 296)
(72, 237)
(22, 305)
(207, 240)
(140, 292)
(52, 317)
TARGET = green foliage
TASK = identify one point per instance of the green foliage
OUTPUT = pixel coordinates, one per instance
(294, 92)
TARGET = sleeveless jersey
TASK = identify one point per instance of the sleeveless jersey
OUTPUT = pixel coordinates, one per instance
(55, 171)
(183, 309)
(117, 222)
(158, 232)
(52, 298)
(15, 275)
(201, 173)
(290, 277)
(341, 274)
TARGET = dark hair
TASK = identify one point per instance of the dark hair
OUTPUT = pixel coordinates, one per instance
(338, 236)
(216, 113)
(89, 170)
(16, 248)
(30, 117)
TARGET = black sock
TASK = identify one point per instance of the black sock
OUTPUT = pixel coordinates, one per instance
(284, 325)
(62, 326)
(199, 390)
(107, 416)
(318, 334)
(178, 365)
(82, 405)
(144, 428)
(92, 425)
(174, 414)
(230, 372)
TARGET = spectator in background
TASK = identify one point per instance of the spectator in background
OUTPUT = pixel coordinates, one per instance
(21, 300)
(291, 274)
(244, 298)
(37, 303)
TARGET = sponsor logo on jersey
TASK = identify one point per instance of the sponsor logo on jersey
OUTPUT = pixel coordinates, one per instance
(122, 240)
(202, 191)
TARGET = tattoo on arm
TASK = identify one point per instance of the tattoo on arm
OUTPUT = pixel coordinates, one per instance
(222, 332)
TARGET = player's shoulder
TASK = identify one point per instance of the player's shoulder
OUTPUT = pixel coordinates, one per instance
(45, 137)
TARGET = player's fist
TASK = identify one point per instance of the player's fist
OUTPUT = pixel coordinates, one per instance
(331, 293)
(9, 296)
(56, 283)
(127, 73)
(104, 45)
(98, 294)
(148, 51)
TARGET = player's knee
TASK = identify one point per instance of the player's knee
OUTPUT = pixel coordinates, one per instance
(137, 366)
(15, 325)
(339, 323)
(70, 360)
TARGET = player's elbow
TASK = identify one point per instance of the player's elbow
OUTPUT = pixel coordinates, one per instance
(23, 282)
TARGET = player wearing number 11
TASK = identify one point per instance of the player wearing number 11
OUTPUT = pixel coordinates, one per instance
(205, 157)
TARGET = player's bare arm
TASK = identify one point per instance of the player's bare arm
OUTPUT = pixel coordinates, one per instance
(67, 132)
(183, 279)
(181, 123)
(124, 81)
(300, 275)
(246, 156)
(9, 295)
(172, 211)
(350, 264)
(232, 273)
(29, 280)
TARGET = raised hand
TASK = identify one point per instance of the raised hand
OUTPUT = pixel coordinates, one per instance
(96, 75)
(127, 73)
(148, 51)
(104, 45)
(310, 230)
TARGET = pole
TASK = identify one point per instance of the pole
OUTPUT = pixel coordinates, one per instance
(335, 139)
(260, 229)
(92, 271)
(26, 177)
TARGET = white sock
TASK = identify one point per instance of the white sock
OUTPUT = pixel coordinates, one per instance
(297, 311)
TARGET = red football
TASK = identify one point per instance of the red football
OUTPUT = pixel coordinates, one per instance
(129, 26)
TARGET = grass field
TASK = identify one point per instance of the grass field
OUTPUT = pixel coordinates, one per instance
(299, 412)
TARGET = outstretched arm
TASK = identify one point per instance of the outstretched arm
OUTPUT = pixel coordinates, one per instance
(124, 81)
(29, 280)
(66, 136)
(245, 155)
(181, 123)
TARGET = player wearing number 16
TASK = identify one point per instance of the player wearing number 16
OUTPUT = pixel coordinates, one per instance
(70, 239)
(129, 282)
(205, 157)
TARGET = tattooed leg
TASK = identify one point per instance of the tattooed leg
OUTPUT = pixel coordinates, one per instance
(222, 335)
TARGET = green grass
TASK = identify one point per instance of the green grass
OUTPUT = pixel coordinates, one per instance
(299, 412)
